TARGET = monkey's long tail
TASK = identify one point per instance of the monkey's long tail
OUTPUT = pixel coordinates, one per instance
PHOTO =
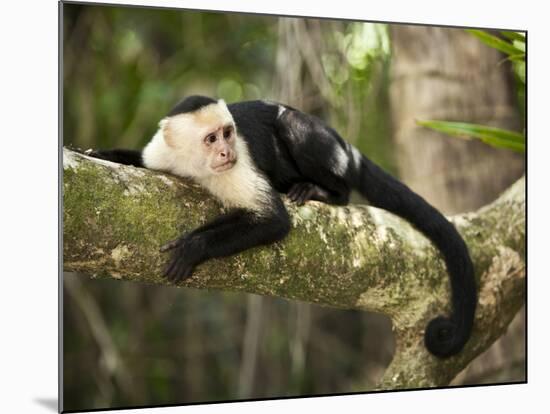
(445, 336)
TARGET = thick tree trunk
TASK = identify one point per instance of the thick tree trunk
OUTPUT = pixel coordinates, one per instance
(448, 74)
(354, 257)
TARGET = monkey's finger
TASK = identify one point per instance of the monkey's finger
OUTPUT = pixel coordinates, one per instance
(180, 269)
(169, 265)
(307, 194)
(183, 272)
(186, 273)
(297, 191)
(173, 271)
(170, 245)
(293, 192)
(169, 272)
(300, 197)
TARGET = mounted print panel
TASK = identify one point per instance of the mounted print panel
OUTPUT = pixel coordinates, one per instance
(262, 206)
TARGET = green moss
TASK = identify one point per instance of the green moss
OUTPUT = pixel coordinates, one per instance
(103, 211)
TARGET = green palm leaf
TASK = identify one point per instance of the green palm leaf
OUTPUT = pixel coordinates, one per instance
(520, 37)
(500, 138)
(496, 42)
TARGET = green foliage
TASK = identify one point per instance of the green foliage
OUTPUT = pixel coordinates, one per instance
(514, 47)
(357, 67)
(519, 36)
(496, 137)
(124, 68)
(511, 48)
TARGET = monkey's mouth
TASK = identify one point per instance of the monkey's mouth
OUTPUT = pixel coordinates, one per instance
(225, 166)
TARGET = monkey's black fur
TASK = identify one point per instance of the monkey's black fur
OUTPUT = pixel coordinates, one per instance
(306, 159)
(191, 104)
(121, 156)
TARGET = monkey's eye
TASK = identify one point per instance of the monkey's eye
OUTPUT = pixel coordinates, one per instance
(211, 139)
(227, 133)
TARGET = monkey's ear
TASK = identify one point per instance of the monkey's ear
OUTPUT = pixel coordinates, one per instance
(223, 106)
(164, 126)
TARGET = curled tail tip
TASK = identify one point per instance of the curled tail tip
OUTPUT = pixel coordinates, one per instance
(444, 337)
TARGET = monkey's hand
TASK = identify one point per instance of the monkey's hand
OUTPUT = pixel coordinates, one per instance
(187, 253)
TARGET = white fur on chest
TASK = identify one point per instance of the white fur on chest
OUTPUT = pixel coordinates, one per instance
(241, 186)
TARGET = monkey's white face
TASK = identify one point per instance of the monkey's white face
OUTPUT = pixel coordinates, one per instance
(204, 141)
(205, 145)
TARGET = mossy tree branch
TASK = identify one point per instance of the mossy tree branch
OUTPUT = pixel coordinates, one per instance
(353, 257)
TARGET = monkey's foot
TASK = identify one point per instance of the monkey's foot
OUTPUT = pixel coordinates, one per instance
(302, 192)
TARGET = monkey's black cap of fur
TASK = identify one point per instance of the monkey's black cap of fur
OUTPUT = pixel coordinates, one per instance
(191, 104)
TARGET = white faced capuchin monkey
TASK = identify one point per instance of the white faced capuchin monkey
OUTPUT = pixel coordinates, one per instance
(247, 153)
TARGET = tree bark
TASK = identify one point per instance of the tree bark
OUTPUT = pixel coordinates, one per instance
(448, 74)
(115, 218)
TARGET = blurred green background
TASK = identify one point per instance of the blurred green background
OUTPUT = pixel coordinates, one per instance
(123, 69)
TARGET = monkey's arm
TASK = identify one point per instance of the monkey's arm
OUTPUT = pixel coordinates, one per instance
(226, 235)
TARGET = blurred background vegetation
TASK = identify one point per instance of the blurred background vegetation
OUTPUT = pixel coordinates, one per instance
(124, 68)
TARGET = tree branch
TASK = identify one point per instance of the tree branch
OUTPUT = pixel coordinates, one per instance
(353, 257)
